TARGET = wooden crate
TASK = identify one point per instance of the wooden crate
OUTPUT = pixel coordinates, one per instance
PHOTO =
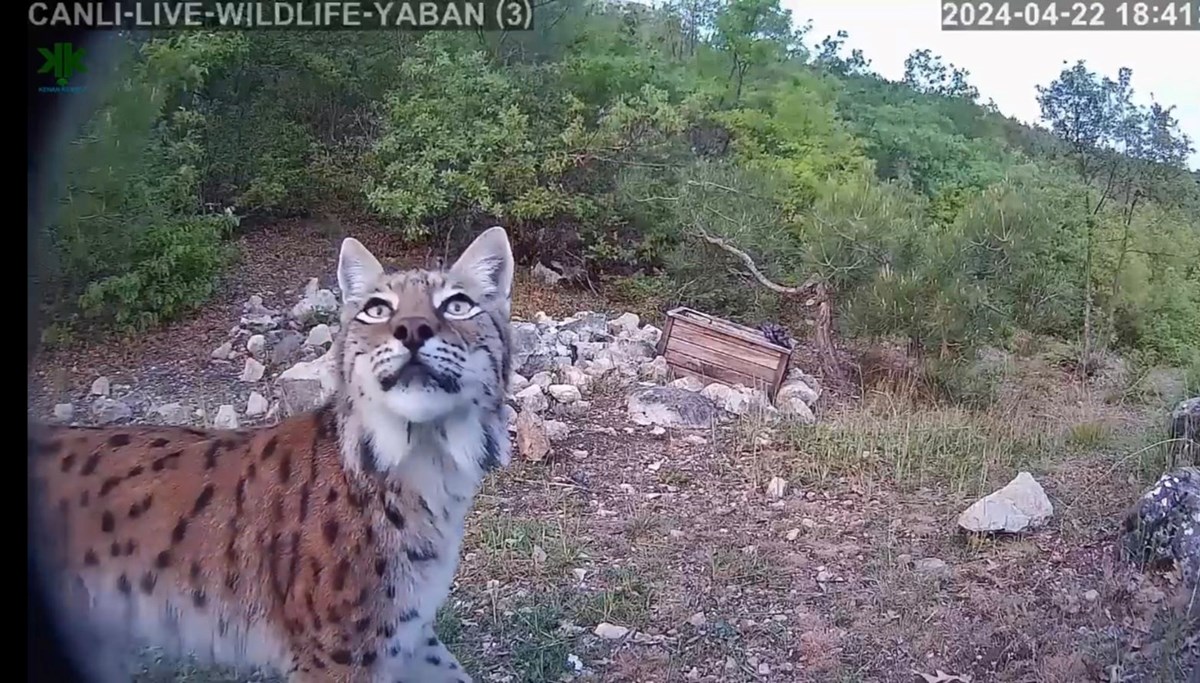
(716, 350)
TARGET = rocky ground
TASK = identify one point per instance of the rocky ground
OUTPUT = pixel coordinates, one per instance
(654, 529)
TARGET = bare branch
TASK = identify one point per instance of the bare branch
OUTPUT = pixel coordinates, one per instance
(621, 162)
(710, 184)
(754, 271)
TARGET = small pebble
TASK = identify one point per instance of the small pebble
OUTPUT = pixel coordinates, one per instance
(101, 387)
(64, 412)
(611, 631)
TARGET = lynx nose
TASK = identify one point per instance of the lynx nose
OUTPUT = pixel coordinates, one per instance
(413, 332)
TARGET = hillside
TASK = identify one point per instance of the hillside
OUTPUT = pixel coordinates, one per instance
(618, 145)
(970, 297)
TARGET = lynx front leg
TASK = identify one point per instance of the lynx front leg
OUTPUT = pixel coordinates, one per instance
(104, 658)
(98, 641)
(433, 662)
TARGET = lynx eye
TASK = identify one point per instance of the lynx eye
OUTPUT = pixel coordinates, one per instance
(376, 311)
(459, 306)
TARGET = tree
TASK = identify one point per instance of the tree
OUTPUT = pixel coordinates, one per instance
(829, 57)
(696, 20)
(1121, 152)
(752, 33)
(1155, 153)
(925, 73)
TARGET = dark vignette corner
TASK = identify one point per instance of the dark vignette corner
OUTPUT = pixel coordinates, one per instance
(47, 657)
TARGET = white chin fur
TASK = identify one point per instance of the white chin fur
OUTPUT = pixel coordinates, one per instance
(417, 404)
(421, 404)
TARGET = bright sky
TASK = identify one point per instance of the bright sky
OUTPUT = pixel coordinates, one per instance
(1006, 66)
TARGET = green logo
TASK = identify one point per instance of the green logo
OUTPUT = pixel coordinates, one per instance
(65, 61)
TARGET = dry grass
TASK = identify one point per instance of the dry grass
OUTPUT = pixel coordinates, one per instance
(856, 574)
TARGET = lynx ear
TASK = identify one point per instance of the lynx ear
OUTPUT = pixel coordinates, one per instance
(357, 269)
(488, 265)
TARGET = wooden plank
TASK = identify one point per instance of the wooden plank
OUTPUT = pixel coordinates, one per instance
(666, 336)
(766, 356)
(716, 357)
(682, 371)
(697, 334)
(742, 333)
(678, 311)
(727, 327)
(679, 361)
(780, 375)
(699, 345)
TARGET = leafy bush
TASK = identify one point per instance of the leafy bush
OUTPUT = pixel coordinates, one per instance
(800, 138)
(461, 137)
(128, 242)
(455, 138)
(173, 270)
(621, 140)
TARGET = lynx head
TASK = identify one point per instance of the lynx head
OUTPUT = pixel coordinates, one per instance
(421, 346)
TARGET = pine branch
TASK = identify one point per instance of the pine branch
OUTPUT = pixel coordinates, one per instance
(753, 268)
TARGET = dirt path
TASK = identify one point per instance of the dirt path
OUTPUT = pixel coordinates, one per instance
(173, 364)
(842, 579)
(854, 574)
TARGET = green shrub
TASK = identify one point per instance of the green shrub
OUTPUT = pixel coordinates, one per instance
(612, 139)
(173, 269)
(129, 243)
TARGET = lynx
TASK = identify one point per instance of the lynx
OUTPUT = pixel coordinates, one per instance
(321, 546)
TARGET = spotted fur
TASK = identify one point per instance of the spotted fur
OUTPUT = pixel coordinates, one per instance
(321, 546)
